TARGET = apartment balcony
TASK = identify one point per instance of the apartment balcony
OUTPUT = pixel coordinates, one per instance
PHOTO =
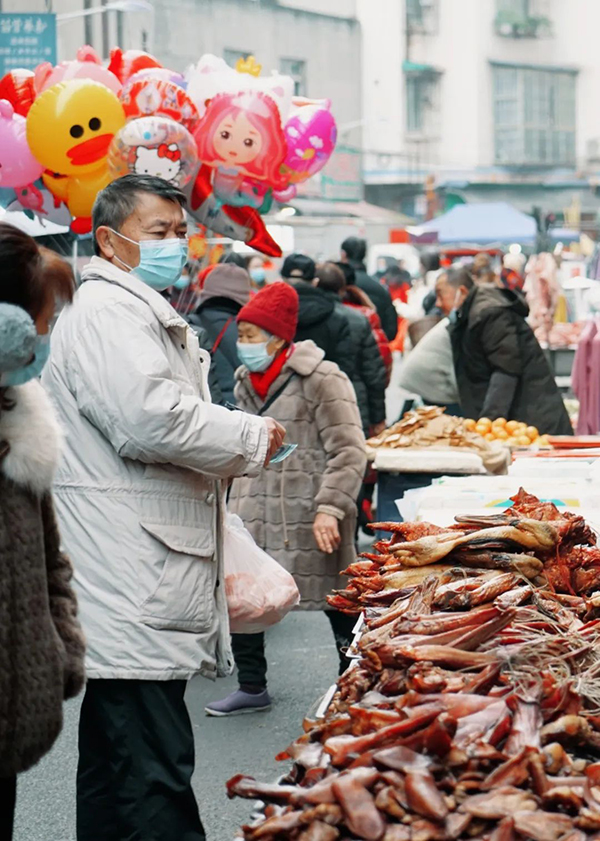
(523, 19)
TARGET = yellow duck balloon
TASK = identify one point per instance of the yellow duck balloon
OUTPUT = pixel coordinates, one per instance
(69, 129)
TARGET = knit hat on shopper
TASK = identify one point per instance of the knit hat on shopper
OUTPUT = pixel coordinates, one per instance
(274, 309)
(226, 280)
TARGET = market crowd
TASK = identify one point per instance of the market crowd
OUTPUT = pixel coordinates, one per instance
(116, 468)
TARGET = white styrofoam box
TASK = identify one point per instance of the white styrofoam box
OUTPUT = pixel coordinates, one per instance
(407, 460)
(564, 468)
(482, 496)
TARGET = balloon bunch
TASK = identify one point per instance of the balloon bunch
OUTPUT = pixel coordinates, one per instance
(233, 140)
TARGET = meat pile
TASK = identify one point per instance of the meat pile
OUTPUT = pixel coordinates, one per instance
(428, 427)
(532, 539)
(472, 710)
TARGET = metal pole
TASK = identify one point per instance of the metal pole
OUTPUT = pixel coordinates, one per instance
(105, 31)
(120, 38)
(88, 24)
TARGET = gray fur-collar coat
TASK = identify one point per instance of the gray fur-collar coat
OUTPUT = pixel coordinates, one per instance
(41, 644)
(324, 474)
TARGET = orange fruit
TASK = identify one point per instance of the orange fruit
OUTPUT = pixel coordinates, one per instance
(532, 433)
(489, 436)
(470, 424)
(486, 423)
(523, 441)
(481, 429)
(501, 434)
(543, 441)
(499, 422)
(511, 426)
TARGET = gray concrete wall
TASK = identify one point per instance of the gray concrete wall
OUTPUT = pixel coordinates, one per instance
(323, 33)
(330, 46)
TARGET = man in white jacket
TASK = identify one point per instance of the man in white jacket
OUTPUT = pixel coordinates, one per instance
(140, 496)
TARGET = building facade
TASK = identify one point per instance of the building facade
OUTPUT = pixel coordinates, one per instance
(481, 100)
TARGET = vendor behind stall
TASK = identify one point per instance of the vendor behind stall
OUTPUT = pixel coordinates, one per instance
(428, 370)
(501, 370)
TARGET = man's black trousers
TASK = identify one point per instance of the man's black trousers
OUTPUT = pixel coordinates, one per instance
(136, 759)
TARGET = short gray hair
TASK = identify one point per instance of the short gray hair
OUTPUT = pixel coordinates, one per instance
(115, 203)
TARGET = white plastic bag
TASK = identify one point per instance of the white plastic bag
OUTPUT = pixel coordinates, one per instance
(259, 591)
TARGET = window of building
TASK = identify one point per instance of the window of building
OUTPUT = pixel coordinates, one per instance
(422, 103)
(518, 8)
(233, 56)
(523, 18)
(422, 16)
(297, 70)
(534, 116)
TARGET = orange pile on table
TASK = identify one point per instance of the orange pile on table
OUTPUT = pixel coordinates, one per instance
(512, 432)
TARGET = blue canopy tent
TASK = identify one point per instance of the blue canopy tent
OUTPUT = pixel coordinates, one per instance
(482, 223)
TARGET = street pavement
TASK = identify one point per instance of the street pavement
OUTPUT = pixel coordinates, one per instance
(302, 665)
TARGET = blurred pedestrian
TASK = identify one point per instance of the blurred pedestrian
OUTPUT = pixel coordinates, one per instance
(501, 370)
(301, 511)
(355, 298)
(398, 281)
(255, 266)
(140, 499)
(234, 257)
(481, 269)
(370, 377)
(41, 643)
(226, 289)
(512, 274)
(318, 319)
(354, 251)
(428, 369)
(431, 269)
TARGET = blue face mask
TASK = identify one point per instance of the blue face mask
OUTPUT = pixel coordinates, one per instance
(34, 369)
(259, 276)
(161, 261)
(255, 357)
(183, 282)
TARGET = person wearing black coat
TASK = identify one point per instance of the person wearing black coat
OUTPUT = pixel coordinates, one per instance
(501, 370)
(318, 317)
(369, 379)
(354, 251)
(226, 290)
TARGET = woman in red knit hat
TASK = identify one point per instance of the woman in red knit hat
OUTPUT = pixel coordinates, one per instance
(301, 511)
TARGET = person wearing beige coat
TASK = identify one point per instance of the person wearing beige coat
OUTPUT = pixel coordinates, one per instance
(301, 511)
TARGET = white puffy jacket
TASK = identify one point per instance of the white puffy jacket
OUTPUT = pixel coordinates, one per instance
(138, 491)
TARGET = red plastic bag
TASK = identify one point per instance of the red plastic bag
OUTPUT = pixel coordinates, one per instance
(259, 591)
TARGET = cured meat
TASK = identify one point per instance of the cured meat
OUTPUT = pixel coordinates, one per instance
(473, 711)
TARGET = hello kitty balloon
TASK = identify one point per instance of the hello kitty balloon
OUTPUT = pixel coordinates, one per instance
(154, 146)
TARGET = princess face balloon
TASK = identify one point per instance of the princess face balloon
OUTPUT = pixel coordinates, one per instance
(243, 132)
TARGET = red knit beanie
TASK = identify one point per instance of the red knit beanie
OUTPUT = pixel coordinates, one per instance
(274, 309)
